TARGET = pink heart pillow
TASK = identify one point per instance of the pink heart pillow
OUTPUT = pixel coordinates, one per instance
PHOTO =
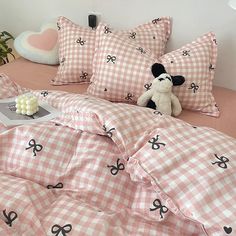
(40, 47)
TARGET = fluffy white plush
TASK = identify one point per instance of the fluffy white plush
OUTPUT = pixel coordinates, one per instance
(160, 92)
(40, 47)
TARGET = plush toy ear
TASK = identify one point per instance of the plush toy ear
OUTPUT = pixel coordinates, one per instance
(158, 69)
(177, 80)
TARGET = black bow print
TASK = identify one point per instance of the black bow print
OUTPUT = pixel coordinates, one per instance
(111, 58)
(109, 132)
(157, 205)
(10, 217)
(107, 30)
(59, 185)
(155, 144)
(214, 40)
(57, 124)
(157, 113)
(132, 35)
(57, 229)
(186, 53)
(58, 26)
(228, 230)
(155, 21)
(141, 50)
(44, 93)
(194, 87)
(211, 67)
(36, 147)
(148, 86)
(115, 169)
(62, 61)
(84, 75)
(222, 162)
(80, 41)
(129, 96)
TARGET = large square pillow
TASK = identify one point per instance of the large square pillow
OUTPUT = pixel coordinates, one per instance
(196, 61)
(121, 68)
(122, 71)
(77, 45)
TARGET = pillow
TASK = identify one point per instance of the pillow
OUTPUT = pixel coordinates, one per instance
(121, 67)
(40, 47)
(196, 61)
(77, 45)
(122, 71)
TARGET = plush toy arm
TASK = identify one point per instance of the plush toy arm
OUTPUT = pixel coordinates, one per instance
(144, 98)
(176, 106)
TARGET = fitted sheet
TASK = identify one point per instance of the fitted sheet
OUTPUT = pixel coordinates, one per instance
(37, 76)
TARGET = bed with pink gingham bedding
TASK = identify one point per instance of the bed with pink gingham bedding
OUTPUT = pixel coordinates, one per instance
(104, 168)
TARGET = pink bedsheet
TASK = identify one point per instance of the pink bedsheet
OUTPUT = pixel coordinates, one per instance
(37, 76)
(102, 168)
(226, 101)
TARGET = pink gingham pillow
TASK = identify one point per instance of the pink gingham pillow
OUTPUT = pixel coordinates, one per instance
(152, 35)
(121, 67)
(196, 61)
(76, 49)
(77, 45)
(122, 71)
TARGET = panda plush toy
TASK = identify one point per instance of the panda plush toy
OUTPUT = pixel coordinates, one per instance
(160, 95)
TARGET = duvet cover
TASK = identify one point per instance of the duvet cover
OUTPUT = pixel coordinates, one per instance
(104, 168)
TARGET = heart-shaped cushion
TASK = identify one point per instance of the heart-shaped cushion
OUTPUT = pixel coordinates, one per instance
(40, 47)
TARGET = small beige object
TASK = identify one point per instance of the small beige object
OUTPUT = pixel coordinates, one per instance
(26, 104)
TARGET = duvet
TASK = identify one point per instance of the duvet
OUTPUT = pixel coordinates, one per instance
(104, 168)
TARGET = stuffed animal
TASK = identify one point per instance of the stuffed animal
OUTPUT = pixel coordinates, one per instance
(160, 95)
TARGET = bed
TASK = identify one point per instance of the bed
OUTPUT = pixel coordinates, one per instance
(58, 183)
(105, 166)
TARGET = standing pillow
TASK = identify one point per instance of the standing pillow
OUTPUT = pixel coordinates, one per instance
(40, 47)
(195, 61)
(77, 45)
(121, 68)
(121, 74)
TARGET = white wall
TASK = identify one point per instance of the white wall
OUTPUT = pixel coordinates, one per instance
(191, 18)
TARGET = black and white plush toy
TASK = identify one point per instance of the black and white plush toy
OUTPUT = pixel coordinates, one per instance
(160, 95)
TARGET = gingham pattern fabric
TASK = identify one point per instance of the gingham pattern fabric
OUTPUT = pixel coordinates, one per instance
(194, 171)
(196, 61)
(77, 45)
(121, 72)
(121, 68)
(76, 49)
(152, 35)
(115, 169)
(8, 88)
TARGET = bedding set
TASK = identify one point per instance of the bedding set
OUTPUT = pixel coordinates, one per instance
(108, 167)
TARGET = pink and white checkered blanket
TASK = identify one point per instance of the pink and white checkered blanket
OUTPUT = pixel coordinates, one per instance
(114, 169)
